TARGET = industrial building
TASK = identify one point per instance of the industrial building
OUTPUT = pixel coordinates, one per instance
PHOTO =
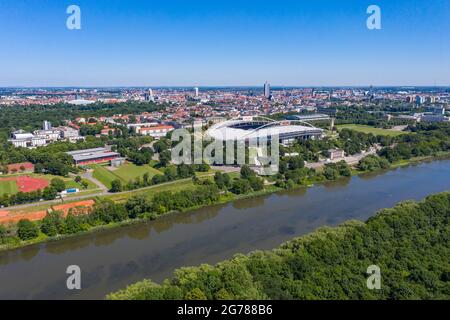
(96, 155)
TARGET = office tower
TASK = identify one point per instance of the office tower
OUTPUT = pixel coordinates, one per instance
(267, 90)
(196, 92)
(150, 93)
(420, 100)
(46, 125)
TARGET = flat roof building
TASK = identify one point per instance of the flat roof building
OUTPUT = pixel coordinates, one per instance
(96, 155)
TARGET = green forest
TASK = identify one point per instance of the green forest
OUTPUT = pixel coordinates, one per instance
(31, 117)
(408, 242)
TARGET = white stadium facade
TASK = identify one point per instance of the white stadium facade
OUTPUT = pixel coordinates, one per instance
(257, 127)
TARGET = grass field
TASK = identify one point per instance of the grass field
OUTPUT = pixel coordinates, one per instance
(369, 129)
(130, 171)
(70, 183)
(103, 175)
(124, 173)
(8, 187)
(174, 186)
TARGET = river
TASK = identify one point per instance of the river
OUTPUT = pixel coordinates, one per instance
(111, 259)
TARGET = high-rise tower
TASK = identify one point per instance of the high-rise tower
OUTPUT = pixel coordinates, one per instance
(267, 90)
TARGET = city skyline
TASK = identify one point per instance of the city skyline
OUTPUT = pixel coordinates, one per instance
(204, 44)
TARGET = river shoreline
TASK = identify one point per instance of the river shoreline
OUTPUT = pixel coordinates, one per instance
(114, 258)
(230, 198)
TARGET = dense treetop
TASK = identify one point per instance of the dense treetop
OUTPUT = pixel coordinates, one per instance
(410, 244)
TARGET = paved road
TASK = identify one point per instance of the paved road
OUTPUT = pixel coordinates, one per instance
(93, 195)
(226, 168)
(104, 190)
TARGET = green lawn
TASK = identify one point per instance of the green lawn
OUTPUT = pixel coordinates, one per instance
(369, 129)
(70, 182)
(8, 187)
(103, 175)
(124, 173)
(130, 171)
(174, 186)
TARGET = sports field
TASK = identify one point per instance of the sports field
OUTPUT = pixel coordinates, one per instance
(32, 182)
(130, 171)
(24, 183)
(8, 187)
(124, 173)
(369, 129)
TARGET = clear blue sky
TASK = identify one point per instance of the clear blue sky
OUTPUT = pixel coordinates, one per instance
(224, 42)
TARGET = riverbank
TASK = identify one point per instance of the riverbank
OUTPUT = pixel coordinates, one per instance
(223, 199)
(396, 239)
(114, 258)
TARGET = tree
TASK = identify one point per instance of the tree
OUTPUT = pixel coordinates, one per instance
(116, 186)
(49, 193)
(171, 173)
(3, 233)
(146, 179)
(256, 183)
(195, 294)
(227, 180)
(295, 163)
(241, 186)
(107, 211)
(27, 230)
(158, 178)
(219, 180)
(137, 205)
(73, 224)
(223, 294)
(185, 171)
(330, 172)
(58, 184)
(38, 168)
(52, 223)
(246, 172)
(77, 179)
(164, 158)
(84, 184)
(398, 237)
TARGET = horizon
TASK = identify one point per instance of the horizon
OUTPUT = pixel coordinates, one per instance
(272, 86)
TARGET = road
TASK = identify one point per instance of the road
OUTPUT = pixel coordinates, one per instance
(104, 190)
(93, 195)
(88, 175)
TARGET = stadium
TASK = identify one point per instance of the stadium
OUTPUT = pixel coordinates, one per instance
(253, 128)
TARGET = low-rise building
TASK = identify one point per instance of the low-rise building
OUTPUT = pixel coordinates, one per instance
(336, 154)
(95, 155)
(434, 118)
(155, 132)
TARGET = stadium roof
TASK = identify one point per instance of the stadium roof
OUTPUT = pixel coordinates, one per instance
(229, 130)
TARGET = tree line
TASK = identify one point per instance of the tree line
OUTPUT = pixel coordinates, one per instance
(409, 243)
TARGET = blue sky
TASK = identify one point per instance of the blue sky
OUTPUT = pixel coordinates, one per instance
(216, 42)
